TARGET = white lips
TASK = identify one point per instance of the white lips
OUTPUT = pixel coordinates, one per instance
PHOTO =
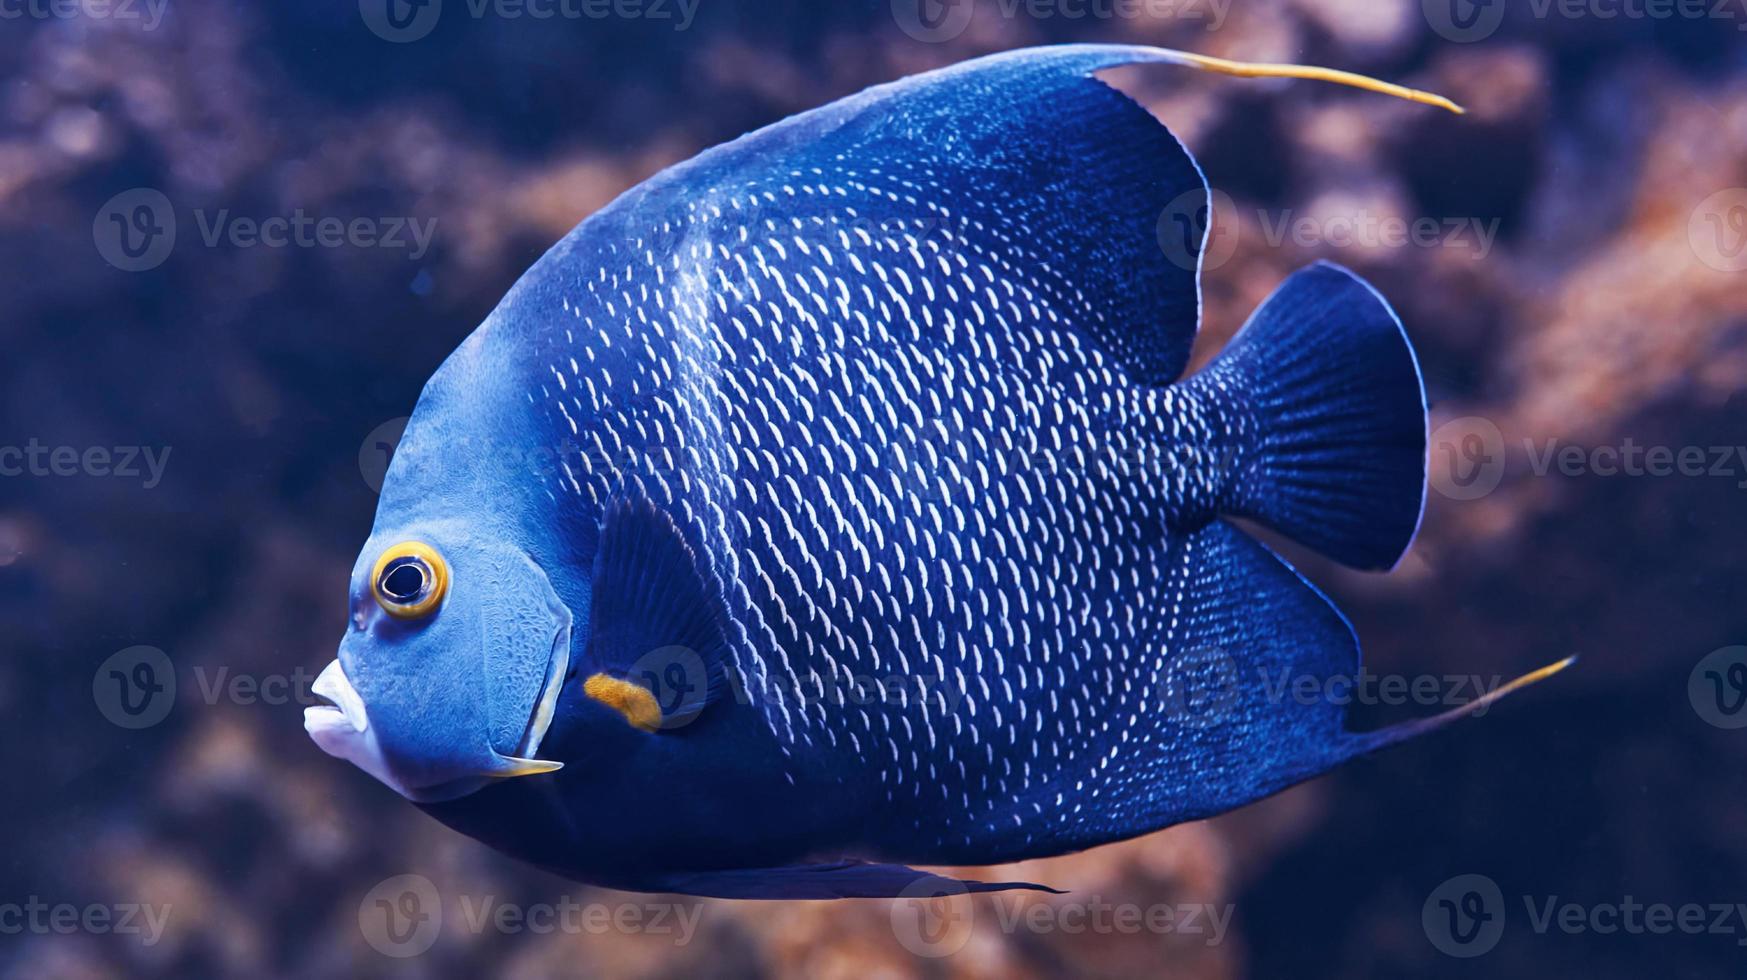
(344, 731)
(334, 685)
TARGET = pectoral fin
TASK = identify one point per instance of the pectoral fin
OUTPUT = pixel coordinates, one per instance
(657, 642)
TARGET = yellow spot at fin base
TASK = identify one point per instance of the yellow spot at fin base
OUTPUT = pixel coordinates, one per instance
(634, 702)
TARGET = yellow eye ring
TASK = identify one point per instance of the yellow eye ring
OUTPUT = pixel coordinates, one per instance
(410, 580)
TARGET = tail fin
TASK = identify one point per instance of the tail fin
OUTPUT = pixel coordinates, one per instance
(1336, 394)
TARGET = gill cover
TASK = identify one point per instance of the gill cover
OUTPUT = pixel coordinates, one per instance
(462, 692)
(526, 651)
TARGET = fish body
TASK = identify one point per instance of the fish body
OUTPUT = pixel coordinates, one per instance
(835, 501)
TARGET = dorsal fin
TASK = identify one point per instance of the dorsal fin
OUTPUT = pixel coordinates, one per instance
(1024, 166)
(1038, 170)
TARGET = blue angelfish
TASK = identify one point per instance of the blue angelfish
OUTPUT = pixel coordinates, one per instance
(834, 502)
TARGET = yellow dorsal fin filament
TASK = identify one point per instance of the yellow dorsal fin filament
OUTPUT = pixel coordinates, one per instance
(1246, 69)
(633, 701)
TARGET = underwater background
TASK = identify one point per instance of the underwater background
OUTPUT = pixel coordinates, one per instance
(195, 414)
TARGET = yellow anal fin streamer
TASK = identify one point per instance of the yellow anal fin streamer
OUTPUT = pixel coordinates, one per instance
(631, 700)
(1246, 69)
(1370, 741)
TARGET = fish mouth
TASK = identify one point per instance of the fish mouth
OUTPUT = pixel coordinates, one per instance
(341, 727)
(342, 708)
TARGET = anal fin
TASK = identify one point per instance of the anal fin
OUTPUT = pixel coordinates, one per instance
(837, 879)
(1224, 717)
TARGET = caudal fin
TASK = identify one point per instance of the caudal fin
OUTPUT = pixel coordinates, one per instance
(1335, 392)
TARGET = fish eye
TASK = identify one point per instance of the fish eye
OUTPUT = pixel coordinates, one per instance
(410, 580)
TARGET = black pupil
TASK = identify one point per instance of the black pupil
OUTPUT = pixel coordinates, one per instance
(404, 582)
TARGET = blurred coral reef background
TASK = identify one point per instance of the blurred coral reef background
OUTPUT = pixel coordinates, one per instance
(1594, 316)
